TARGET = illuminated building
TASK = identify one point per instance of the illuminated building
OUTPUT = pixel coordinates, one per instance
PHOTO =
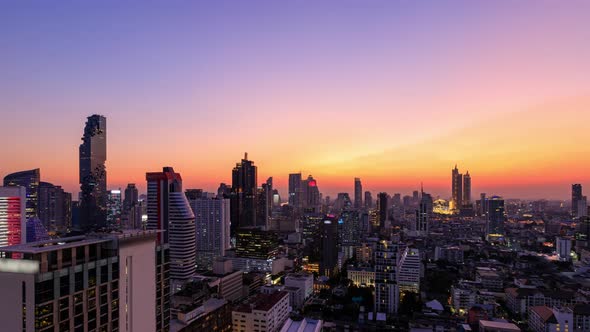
(36, 231)
(243, 195)
(30, 181)
(93, 173)
(440, 206)
(169, 210)
(212, 229)
(13, 229)
(456, 189)
(81, 283)
(114, 207)
(386, 288)
(358, 193)
(409, 271)
(256, 243)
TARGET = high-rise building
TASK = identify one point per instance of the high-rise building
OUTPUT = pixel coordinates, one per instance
(295, 190)
(114, 207)
(457, 189)
(368, 200)
(409, 270)
(131, 196)
(223, 191)
(358, 193)
(256, 243)
(36, 231)
(13, 229)
(496, 216)
(169, 210)
(243, 195)
(212, 229)
(582, 207)
(577, 197)
(329, 246)
(105, 283)
(309, 197)
(466, 190)
(386, 288)
(264, 203)
(483, 205)
(55, 207)
(30, 180)
(93, 173)
(383, 206)
(423, 214)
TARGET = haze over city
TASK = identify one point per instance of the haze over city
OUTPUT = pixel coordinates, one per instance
(396, 93)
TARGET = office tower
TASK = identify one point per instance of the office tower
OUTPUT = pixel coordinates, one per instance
(350, 230)
(368, 200)
(212, 229)
(268, 187)
(114, 207)
(483, 205)
(295, 190)
(162, 287)
(30, 180)
(169, 210)
(257, 243)
(415, 197)
(423, 214)
(264, 203)
(13, 229)
(131, 196)
(329, 246)
(223, 191)
(342, 202)
(55, 207)
(496, 217)
(466, 190)
(309, 198)
(576, 196)
(358, 193)
(386, 289)
(36, 231)
(243, 195)
(93, 173)
(457, 189)
(82, 283)
(409, 271)
(582, 207)
(382, 202)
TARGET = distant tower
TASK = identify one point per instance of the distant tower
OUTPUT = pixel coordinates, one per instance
(169, 210)
(310, 195)
(383, 205)
(30, 180)
(329, 246)
(576, 197)
(496, 217)
(212, 229)
(358, 193)
(368, 200)
(131, 196)
(93, 174)
(457, 189)
(423, 214)
(55, 207)
(243, 195)
(466, 189)
(295, 190)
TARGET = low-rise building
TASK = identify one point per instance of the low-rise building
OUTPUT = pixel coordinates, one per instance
(212, 315)
(361, 276)
(264, 313)
(545, 319)
(495, 326)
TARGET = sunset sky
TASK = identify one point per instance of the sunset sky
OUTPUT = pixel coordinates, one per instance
(394, 92)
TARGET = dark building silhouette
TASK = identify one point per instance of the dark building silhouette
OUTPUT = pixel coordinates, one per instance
(358, 193)
(93, 174)
(329, 246)
(30, 180)
(382, 201)
(295, 190)
(55, 207)
(243, 195)
(224, 190)
(368, 200)
(496, 216)
(576, 197)
(457, 189)
(467, 190)
(131, 196)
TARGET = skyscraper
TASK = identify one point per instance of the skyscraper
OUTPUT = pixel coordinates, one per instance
(423, 214)
(496, 217)
(13, 229)
(368, 200)
(30, 180)
(309, 197)
(243, 195)
(358, 193)
(114, 207)
(55, 207)
(212, 229)
(169, 210)
(576, 197)
(93, 174)
(131, 196)
(295, 190)
(457, 189)
(382, 201)
(409, 271)
(329, 246)
(466, 189)
(386, 288)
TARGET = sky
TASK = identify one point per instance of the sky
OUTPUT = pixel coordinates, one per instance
(394, 92)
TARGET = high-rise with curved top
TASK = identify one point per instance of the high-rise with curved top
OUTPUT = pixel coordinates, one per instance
(93, 174)
(30, 180)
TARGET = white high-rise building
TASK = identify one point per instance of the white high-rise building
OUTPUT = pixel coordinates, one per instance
(386, 288)
(409, 271)
(13, 221)
(563, 246)
(212, 221)
(169, 210)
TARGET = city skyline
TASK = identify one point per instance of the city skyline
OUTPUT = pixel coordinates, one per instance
(506, 107)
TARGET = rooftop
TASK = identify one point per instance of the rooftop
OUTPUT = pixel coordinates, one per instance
(262, 302)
